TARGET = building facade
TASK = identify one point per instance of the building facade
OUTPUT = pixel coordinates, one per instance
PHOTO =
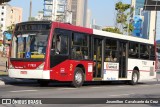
(54, 10)
(39, 15)
(2, 1)
(79, 12)
(9, 15)
(148, 26)
(138, 5)
(70, 11)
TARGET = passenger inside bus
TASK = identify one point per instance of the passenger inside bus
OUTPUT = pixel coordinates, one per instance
(111, 56)
(58, 44)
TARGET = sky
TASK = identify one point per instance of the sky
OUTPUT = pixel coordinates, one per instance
(101, 10)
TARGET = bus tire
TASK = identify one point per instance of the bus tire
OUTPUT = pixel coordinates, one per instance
(135, 78)
(78, 79)
(43, 83)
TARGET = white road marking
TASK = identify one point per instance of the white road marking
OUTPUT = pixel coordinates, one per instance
(156, 84)
(97, 87)
(22, 91)
(144, 85)
(121, 86)
(66, 88)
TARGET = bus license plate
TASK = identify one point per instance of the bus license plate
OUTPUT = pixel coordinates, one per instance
(23, 72)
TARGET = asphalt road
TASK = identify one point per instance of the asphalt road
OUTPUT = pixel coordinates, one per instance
(89, 90)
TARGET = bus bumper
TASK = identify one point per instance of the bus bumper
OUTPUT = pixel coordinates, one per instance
(29, 74)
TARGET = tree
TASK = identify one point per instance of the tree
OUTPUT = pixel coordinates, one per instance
(113, 30)
(122, 24)
(10, 28)
(122, 15)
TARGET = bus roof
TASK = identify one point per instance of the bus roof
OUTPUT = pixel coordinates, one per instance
(124, 37)
(68, 26)
(73, 27)
(35, 22)
(103, 33)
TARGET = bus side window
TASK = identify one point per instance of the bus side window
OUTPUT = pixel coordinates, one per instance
(144, 51)
(133, 50)
(111, 50)
(152, 52)
(61, 44)
(80, 46)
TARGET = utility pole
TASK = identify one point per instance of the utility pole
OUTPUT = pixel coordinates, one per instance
(30, 11)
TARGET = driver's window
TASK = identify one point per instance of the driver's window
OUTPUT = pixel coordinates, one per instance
(60, 43)
(53, 45)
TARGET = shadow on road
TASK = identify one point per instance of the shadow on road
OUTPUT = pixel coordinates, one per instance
(34, 83)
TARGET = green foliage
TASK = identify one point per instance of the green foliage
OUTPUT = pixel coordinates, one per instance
(124, 12)
(32, 19)
(10, 28)
(113, 30)
(121, 8)
(123, 15)
(128, 28)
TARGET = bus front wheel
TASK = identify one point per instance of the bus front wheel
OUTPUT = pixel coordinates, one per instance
(78, 77)
(135, 77)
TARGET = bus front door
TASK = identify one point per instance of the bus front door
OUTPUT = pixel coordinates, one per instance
(97, 56)
(122, 60)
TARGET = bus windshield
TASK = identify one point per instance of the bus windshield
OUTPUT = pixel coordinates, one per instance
(29, 45)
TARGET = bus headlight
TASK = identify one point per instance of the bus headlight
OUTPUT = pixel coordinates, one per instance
(40, 67)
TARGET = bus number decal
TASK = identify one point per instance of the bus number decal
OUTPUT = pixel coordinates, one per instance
(90, 67)
(71, 67)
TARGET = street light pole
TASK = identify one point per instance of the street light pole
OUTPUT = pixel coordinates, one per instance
(30, 11)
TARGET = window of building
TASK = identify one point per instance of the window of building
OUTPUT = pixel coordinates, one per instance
(1, 19)
(111, 51)
(2, 7)
(80, 46)
(2, 13)
(133, 50)
(12, 11)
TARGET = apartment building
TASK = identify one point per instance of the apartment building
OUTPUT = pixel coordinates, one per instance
(72, 11)
(54, 10)
(9, 15)
(79, 12)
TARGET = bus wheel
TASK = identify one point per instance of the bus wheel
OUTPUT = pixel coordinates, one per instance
(43, 83)
(135, 77)
(78, 77)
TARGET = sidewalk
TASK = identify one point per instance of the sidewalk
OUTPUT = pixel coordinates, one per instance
(4, 79)
(3, 64)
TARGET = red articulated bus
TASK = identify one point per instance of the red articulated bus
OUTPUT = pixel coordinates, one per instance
(45, 50)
